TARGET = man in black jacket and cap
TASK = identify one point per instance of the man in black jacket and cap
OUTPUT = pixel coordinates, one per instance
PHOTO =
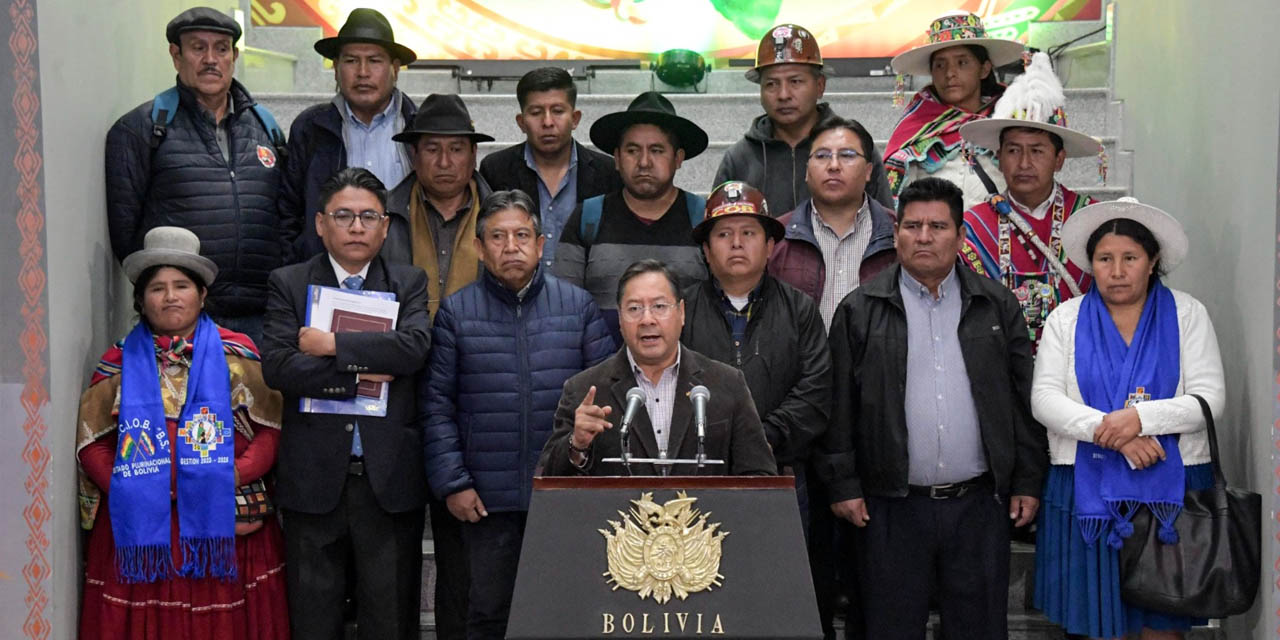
(554, 169)
(764, 327)
(202, 156)
(353, 129)
(767, 329)
(773, 155)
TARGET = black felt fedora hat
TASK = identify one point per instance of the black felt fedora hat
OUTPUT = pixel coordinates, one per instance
(649, 107)
(441, 115)
(368, 26)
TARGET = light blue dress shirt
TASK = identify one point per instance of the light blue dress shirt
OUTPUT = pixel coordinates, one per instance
(555, 211)
(369, 146)
(944, 442)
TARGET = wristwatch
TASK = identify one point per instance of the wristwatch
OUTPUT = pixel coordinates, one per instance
(578, 457)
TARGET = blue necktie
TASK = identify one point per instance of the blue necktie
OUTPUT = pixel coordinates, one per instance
(357, 449)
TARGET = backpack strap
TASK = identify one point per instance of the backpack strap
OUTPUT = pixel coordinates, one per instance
(165, 107)
(592, 208)
(163, 110)
(697, 206)
(273, 130)
(589, 224)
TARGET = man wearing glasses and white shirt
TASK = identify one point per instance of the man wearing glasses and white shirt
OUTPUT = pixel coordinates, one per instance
(840, 236)
(352, 489)
(651, 315)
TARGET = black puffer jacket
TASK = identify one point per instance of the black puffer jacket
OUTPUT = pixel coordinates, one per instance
(778, 170)
(185, 182)
(784, 358)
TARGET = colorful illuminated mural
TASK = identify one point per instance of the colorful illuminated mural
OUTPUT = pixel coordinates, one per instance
(602, 29)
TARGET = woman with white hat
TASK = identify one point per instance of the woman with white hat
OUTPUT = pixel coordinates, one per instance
(1113, 382)
(176, 431)
(960, 60)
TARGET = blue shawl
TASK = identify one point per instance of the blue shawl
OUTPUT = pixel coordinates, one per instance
(1113, 375)
(140, 504)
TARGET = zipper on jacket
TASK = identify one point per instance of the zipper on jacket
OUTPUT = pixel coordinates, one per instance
(522, 355)
(795, 200)
(235, 187)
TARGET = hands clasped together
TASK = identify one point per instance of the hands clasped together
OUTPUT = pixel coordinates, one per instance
(1120, 431)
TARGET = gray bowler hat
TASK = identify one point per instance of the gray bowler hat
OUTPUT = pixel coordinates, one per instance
(170, 247)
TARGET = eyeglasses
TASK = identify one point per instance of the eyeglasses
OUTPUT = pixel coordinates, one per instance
(846, 156)
(635, 311)
(345, 217)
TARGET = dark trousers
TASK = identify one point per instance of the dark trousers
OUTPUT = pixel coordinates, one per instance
(956, 546)
(385, 551)
(452, 576)
(831, 561)
(493, 552)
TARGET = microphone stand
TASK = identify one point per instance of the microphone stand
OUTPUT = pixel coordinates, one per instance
(625, 459)
(702, 446)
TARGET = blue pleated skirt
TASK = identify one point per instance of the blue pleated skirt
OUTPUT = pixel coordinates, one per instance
(1078, 587)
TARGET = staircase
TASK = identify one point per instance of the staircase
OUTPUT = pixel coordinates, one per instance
(284, 73)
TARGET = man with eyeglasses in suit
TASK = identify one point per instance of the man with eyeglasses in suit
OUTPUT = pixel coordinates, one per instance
(651, 314)
(351, 488)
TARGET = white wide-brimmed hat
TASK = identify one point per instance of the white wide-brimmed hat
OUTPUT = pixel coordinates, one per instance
(1034, 100)
(1166, 229)
(170, 247)
(953, 29)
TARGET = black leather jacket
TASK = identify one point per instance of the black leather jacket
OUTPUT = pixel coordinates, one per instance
(784, 357)
(865, 450)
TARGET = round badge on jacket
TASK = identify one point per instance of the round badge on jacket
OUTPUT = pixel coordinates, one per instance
(266, 156)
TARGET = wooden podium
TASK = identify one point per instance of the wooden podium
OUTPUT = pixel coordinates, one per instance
(671, 557)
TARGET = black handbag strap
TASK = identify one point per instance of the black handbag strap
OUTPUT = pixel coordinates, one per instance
(1219, 480)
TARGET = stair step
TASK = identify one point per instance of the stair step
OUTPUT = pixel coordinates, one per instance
(724, 116)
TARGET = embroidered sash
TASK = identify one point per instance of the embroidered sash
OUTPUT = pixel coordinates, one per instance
(140, 513)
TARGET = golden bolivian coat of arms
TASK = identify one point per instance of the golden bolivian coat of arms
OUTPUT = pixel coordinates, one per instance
(665, 549)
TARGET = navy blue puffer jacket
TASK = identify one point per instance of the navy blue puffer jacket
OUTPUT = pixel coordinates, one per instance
(493, 381)
(185, 182)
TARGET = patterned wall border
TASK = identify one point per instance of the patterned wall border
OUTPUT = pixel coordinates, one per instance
(27, 160)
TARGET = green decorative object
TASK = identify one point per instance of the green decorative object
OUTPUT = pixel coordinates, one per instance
(751, 17)
(680, 67)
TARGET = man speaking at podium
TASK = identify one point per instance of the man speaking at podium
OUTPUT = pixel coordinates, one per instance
(655, 376)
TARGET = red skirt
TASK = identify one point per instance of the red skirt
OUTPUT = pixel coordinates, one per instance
(253, 606)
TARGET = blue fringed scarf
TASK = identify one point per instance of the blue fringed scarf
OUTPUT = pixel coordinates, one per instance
(206, 474)
(1111, 376)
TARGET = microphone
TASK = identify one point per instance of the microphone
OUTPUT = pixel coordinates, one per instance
(635, 400)
(700, 395)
